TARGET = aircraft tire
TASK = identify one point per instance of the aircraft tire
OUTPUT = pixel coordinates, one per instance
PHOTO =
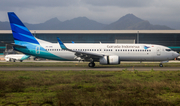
(160, 65)
(92, 64)
(14, 60)
(21, 60)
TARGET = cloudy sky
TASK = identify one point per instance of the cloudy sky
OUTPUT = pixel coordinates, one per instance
(104, 11)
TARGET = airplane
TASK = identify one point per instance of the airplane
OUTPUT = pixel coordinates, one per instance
(14, 57)
(104, 53)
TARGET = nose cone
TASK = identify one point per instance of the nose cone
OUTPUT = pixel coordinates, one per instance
(175, 54)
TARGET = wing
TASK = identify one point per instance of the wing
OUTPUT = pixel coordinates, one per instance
(88, 56)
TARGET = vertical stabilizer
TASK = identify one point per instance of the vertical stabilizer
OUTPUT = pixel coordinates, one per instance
(21, 34)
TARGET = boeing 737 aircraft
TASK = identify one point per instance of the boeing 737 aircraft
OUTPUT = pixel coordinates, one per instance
(105, 53)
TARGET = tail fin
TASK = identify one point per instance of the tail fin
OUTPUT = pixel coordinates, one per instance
(20, 33)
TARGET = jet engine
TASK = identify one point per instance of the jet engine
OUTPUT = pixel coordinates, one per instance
(109, 60)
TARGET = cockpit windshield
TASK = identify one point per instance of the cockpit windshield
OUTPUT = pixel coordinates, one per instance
(168, 50)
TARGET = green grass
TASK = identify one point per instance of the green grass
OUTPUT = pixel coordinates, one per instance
(111, 88)
(81, 64)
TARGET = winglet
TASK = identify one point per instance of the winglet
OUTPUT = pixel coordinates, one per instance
(61, 44)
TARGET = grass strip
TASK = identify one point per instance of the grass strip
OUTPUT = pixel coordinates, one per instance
(90, 87)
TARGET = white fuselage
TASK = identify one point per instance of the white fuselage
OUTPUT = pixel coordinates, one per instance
(126, 52)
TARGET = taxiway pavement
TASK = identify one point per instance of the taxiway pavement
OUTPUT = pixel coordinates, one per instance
(88, 68)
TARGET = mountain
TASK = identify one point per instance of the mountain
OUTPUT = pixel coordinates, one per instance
(52, 24)
(127, 22)
(131, 22)
(81, 23)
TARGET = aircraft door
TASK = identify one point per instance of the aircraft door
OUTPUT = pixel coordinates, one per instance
(37, 49)
(158, 51)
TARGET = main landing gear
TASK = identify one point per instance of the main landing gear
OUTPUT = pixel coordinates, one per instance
(91, 64)
(160, 65)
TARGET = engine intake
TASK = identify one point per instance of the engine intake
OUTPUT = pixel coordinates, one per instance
(109, 60)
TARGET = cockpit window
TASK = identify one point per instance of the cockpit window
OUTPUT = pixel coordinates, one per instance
(168, 50)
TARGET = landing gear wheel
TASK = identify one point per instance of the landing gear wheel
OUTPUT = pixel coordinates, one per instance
(21, 60)
(160, 65)
(92, 64)
(14, 60)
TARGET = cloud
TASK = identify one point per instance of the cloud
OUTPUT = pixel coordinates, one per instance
(119, 3)
(104, 11)
(9, 4)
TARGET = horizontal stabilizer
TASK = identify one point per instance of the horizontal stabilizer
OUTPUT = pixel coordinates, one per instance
(14, 45)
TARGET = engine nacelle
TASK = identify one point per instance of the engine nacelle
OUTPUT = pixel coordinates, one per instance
(109, 60)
